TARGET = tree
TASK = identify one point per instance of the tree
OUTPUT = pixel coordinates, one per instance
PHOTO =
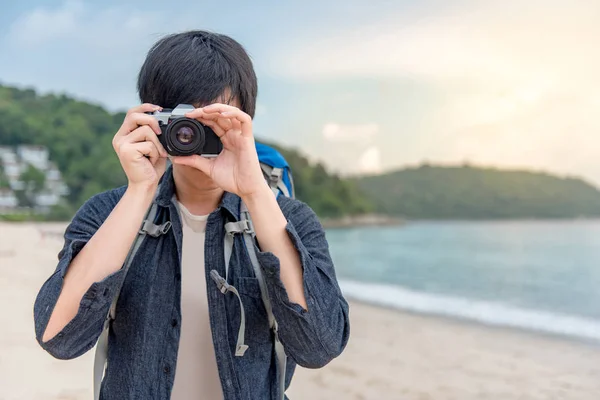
(4, 183)
(33, 181)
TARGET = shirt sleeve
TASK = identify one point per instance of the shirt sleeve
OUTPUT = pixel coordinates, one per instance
(315, 336)
(82, 332)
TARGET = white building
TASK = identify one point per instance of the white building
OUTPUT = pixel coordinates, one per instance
(15, 162)
(47, 199)
(34, 155)
(54, 181)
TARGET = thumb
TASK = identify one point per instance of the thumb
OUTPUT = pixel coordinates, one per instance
(195, 161)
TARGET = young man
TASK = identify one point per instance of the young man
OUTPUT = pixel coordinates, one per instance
(175, 333)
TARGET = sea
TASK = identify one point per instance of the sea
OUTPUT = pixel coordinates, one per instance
(541, 276)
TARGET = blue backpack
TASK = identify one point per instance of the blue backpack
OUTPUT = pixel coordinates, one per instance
(278, 174)
(276, 170)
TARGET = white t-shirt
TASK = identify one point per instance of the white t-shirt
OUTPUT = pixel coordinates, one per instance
(196, 374)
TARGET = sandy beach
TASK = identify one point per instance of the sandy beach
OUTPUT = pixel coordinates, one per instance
(391, 355)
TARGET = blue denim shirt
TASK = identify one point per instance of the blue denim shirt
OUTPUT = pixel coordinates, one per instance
(144, 338)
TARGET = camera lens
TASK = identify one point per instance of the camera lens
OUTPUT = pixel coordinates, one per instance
(185, 135)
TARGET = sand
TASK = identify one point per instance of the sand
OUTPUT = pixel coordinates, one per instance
(391, 354)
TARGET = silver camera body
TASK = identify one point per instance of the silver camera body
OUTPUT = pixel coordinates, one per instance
(182, 136)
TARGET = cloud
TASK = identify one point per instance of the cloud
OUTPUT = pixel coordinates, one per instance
(351, 148)
(109, 29)
(42, 25)
(515, 82)
(334, 132)
(507, 40)
(91, 51)
(370, 161)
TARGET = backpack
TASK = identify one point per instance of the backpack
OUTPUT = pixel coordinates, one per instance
(279, 176)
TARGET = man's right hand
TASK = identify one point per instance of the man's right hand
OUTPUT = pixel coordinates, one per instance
(136, 143)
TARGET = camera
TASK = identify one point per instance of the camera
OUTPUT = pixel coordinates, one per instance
(183, 136)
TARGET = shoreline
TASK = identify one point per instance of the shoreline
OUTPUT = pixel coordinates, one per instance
(489, 313)
(472, 323)
(358, 221)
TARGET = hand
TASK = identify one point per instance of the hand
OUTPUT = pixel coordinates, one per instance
(236, 169)
(136, 143)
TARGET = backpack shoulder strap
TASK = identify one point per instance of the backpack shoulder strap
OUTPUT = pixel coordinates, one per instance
(148, 228)
(246, 228)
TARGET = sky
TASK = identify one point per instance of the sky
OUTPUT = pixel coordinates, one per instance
(363, 86)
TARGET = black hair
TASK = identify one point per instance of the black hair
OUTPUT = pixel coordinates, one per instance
(197, 67)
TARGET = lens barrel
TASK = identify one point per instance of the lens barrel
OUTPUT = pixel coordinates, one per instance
(185, 136)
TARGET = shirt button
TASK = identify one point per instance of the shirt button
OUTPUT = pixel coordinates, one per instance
(174, 323)
(167, 369)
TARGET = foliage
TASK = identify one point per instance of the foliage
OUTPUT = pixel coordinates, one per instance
(466, 192)
(4, 183)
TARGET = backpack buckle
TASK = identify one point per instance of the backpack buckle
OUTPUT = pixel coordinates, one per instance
(247, 222)
(155, 230)
(276, 174)
(243, 226)
(222, 284)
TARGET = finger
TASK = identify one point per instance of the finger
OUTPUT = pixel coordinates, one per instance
(142, 108)
(233, 113)
(218, 107)
(209, 112)
(145, 133)
(214, 126)
(135, 120)
(200, 115)
(195, 161)
(196, 113)
(224, 123)
(149, 150)
(143, 149)
(236, 124)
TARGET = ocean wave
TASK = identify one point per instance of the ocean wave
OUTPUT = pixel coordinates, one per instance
(489, 313)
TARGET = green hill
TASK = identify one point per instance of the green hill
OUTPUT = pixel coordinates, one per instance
(78, 136)
(465, 192)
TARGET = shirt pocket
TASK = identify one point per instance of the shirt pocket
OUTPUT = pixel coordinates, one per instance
(257, 322)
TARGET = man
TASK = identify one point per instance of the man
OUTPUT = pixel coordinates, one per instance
(175, 333)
